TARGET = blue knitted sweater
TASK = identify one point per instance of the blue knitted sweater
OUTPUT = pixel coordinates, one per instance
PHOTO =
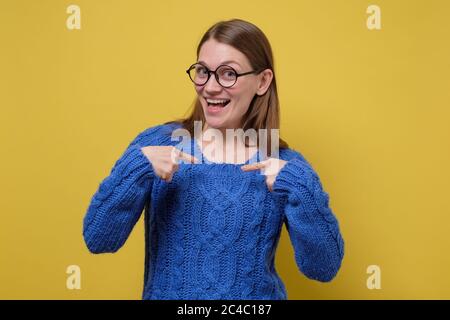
(212, 232)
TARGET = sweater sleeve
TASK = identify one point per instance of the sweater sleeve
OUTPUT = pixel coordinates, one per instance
(312, 227)
(120, 199)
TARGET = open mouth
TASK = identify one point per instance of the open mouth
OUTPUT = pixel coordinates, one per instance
(217, 102)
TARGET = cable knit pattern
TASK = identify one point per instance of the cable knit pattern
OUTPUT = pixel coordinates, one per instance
(212, 232)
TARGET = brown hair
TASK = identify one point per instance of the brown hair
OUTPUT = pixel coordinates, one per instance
(264, 110)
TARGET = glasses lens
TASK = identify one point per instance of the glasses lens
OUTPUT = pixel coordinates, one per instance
(198, 74)
(227, 76)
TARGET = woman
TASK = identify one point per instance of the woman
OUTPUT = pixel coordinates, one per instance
(212, 226)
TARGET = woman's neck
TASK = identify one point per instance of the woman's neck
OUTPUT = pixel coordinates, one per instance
(222, 145)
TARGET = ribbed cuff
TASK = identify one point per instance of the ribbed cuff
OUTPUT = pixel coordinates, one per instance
(295, 174)
(138, 163)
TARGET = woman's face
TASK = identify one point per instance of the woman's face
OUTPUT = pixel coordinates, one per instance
(213, 54)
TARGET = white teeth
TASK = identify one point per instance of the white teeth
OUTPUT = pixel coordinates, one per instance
(216, 101)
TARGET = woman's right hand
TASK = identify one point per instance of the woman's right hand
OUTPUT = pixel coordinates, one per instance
(164, 160)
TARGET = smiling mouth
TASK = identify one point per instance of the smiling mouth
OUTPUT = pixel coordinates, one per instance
(217, 103)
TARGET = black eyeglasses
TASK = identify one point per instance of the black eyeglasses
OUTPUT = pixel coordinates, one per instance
(225, 75)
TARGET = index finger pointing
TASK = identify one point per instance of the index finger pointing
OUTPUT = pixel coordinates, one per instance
(253, 166)
(187, 157)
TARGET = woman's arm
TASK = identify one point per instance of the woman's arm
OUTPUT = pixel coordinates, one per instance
(312, 226)
(119, 201)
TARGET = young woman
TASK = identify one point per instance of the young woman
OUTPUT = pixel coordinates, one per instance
(213, 225)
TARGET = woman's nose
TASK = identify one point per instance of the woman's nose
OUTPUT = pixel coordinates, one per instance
(212, 85)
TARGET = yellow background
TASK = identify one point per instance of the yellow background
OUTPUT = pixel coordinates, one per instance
(368, 109)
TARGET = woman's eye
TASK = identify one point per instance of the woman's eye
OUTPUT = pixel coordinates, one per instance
(202, 71)
(229, 74)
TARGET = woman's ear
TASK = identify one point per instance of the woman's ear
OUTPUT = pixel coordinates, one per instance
(265, 80)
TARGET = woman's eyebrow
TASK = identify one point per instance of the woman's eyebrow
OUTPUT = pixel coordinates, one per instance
(223, 62)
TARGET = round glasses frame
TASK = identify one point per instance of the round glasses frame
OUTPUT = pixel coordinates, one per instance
(188, 71)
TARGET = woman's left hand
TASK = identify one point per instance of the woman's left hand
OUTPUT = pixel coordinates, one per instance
(269, 167)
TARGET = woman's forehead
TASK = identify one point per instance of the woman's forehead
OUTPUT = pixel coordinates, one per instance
(213, 53)
(227, 62)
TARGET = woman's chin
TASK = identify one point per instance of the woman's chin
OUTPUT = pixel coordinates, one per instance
(214, 123)
(214, 120)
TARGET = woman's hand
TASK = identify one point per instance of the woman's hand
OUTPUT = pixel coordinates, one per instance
(270, 168)
(164, 160)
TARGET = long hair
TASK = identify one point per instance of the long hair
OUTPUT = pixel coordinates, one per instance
(264, 110)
